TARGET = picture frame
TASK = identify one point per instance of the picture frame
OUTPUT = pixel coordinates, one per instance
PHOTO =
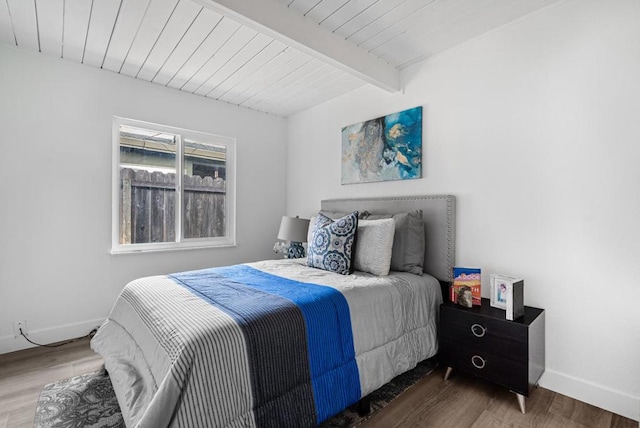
(386, 148)
(499, 286)
(507, 293)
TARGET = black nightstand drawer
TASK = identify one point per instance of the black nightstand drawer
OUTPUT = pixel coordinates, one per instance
(506, 372)
(506, 339)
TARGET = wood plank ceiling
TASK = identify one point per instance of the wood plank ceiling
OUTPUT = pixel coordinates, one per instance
(196, 47)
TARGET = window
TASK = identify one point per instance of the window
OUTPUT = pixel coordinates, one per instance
(172, 188)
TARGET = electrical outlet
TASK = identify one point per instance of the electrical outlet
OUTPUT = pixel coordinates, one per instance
(17, 325)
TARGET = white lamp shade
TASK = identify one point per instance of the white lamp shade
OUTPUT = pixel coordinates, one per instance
(293, 229)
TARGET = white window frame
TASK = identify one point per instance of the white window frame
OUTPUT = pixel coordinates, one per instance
(228, 240)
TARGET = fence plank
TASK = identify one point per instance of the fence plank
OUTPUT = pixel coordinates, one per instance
(126, 175)
(170, 207)
(156, 199)
(141, 211)
(187, 207)
(198, 209)
(219, 215)
(207, 208)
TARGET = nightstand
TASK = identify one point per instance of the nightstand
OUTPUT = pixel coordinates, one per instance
(480, 341)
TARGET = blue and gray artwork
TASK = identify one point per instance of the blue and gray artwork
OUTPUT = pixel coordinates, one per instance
(383, 149)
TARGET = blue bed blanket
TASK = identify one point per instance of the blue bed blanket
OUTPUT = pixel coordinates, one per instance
(299, 342)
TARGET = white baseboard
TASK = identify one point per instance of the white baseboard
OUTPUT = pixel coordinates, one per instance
(597, 395)
(48, 335)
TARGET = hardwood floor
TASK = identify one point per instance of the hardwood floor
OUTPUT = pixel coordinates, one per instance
(460, 402)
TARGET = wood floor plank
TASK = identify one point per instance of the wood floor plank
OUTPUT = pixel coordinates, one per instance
(431, 402)
(550, 420)
(618, 421)
(87, 366)
(33, 359)
(33, 379)
(580, 412)
(22, 418)
(489, 420)
(505, 407)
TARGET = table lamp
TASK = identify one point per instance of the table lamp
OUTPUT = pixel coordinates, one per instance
(294, 230)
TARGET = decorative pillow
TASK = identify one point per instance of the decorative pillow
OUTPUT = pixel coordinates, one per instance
(332, 243)
(333, 215)
(373, 250)
(407, 254)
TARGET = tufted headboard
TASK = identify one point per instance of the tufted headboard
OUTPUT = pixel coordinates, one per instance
(438, 214)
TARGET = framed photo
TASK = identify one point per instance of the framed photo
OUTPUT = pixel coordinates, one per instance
(499, 286)
(507, 293)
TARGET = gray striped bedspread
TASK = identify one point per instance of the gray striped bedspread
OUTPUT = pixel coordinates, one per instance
(266, 344)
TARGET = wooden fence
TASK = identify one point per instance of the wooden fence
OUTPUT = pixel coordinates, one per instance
(147, 206)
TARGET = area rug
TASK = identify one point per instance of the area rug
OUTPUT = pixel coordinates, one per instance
(89, 401)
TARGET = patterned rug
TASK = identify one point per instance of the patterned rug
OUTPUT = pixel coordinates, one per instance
(82, 401)
(89, 401)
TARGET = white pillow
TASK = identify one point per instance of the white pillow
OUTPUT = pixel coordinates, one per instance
(374, 242)
(312, 225)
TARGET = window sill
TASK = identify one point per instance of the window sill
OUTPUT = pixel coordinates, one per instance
(137, 249)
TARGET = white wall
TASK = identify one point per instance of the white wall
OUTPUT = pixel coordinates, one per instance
(534, 127)
(55, 189)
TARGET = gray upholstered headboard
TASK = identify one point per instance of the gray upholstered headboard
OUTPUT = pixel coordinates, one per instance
(438, 213)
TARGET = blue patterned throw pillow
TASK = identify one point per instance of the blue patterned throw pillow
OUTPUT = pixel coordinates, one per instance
(332, 243)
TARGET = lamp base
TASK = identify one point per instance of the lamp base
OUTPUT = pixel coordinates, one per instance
(295, 251)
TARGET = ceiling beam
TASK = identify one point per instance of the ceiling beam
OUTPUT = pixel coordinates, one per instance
(284, 24)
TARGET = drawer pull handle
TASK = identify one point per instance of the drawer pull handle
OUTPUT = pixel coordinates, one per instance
(478, 362)
(478, 330)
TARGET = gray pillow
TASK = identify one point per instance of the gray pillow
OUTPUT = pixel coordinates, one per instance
(407, 254)
(333, 215)
(373, 246)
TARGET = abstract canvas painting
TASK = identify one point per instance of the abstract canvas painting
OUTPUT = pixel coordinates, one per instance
(383, 149)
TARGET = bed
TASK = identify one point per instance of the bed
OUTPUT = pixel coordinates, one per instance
(278, 343)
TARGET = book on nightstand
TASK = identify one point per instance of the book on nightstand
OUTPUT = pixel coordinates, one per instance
(466, 287)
